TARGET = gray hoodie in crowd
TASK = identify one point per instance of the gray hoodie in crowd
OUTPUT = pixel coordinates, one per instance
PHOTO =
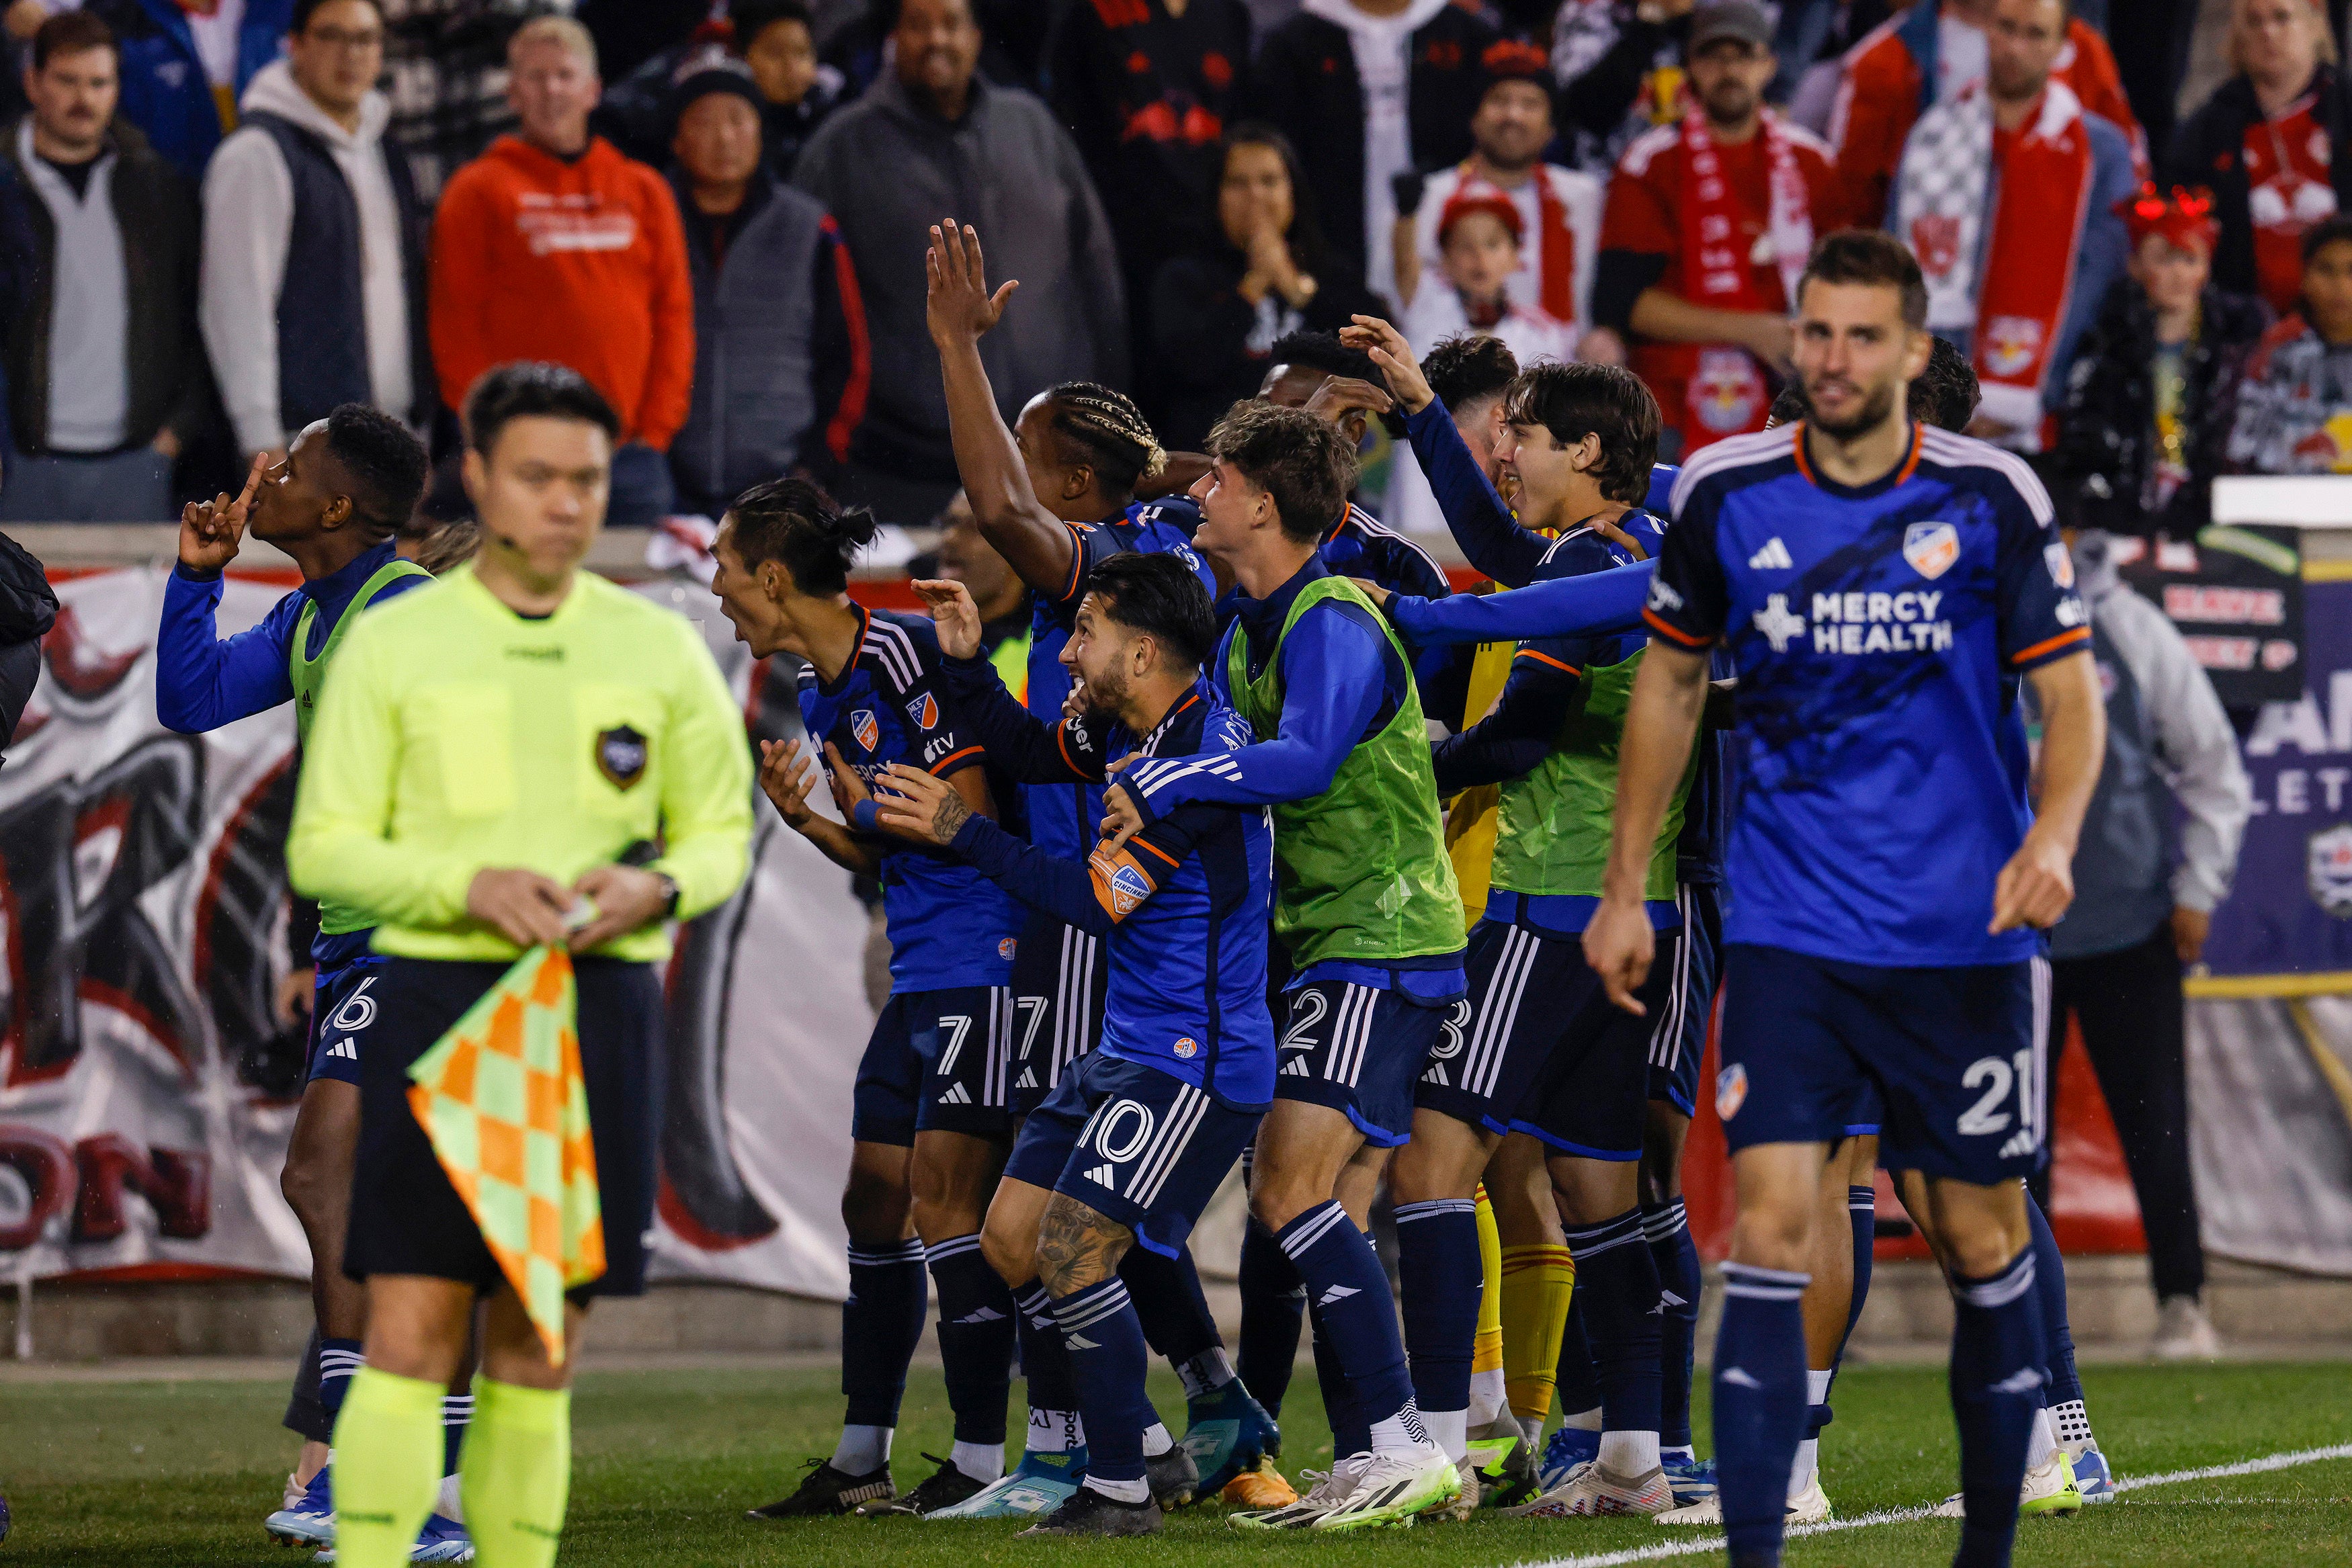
(887, 169)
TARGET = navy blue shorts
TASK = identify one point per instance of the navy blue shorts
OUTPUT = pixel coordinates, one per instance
(1360, 1049)
(1060, 974)
(343, 1008)
(1134, 1143)
(936, 1059)
(1955, 1056)
(1678, 1040)
(405, 1216)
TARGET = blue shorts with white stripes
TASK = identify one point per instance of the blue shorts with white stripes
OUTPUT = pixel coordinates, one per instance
(1678, 1039)
(1060, 974)
(1359, 1050)
(343, 1010)
(936, 1059)
(1542, 1051)
(1133, 1143)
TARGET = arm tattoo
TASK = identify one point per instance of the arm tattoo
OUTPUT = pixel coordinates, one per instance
(1077, 1246)
(950, 816)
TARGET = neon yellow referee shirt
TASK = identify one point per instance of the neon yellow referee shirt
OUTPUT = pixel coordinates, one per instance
(455, 735)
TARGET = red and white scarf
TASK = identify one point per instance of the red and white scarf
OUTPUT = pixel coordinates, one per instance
(1554, 239)
(2000, 269)
(1724, 386)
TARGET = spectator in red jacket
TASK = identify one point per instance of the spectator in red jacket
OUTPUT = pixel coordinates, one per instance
(551, 246)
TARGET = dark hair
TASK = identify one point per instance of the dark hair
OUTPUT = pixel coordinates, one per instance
(1323, 352)
(1157, 595)
(1869, 256)
(306, 9)
(1468, 368)
(386, 465)
(1307, 245)
(1573, 401)
(1109, 431)
(798, 526)
(532, 389)
(2322, 235)
(1300, 461)
(749, 18)
(1947, 394)
(70, 33)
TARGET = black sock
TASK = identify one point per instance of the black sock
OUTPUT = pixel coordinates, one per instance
(1274, 1308)
(881, 1323)
(975, 1338)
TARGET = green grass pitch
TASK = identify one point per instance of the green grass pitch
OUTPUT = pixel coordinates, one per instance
(132, 1475)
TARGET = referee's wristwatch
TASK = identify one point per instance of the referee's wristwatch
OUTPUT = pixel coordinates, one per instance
(669, 894)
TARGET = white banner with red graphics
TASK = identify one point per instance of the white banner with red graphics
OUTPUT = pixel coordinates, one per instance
(146, 1092)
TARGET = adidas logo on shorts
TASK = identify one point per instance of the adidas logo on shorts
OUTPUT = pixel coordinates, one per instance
(956, 1096)
(1103, 1175)
(348, 1049)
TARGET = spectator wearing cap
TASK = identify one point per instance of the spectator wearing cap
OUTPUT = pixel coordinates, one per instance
(929, 141)
(781, 359)
(1710, 221)
(1619, 67)
(2009, 193)
(1480, 237)
(1925, 57)
(553, 245)
(104, 359)
(188, 64)
(312, 292)
(2270, 143)
(1366, 90)
(776, 39)
(2294, 409)
(1218, 309)
(2154, 390)
(1559, 208)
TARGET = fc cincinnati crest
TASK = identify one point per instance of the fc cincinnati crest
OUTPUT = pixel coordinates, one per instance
(1931, 548)
(868, 734)
(1186, 1047)
(1128, 889)
(1730, 1090)
(2330, 868)
(621, 755)
(925, 711)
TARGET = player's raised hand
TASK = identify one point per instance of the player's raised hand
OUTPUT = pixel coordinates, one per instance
(1073, 702)
(523, 906)
(1121, 821)
(915, 805)
(2035, 886)
(959, 307)
(1345, 401)
(1394, 356)
(786, 775)
(954, 613)
(1619, 945)
(211, 531)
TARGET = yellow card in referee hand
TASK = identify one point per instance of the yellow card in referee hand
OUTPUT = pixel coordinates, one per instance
(500, 1097)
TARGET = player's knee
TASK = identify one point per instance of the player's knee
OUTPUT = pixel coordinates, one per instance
(307, 1187)
(1978, 1250)
(1014, 1257)
(1777, 1235)
(1275, 1201)
(873, 1210)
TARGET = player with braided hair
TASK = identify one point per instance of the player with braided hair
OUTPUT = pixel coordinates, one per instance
(1055, 494)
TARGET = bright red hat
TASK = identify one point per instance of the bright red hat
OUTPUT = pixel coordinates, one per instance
(2184, 217)
(1480, 198)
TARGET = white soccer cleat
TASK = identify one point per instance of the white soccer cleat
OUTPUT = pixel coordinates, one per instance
(2049, 1489)
(1331, 1488)
(1394, 1487)
(1811, 1506)
(1591, 1490)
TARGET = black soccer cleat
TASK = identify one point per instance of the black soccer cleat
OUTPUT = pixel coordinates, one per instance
(1089, 1512)
(947, 1487)
(828, 1491)
(1173, 1477)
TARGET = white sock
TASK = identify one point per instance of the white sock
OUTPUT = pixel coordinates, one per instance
(1055, 1431)
(447, 1503)
(2073, 1424)
(1801, 1474)
(1584, 1420)
(1817, 1387)
(862, 1450)
(1156, 1440)
(1401, 1433)
(984, 1462)
(1137, 1491)
(1205, 1372)
(2042, 1443)
(1629, 1453)
(1450, 1430)
(1488, 1399)
(1533, 1426)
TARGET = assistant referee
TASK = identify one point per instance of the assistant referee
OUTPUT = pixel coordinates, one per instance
(490, 751)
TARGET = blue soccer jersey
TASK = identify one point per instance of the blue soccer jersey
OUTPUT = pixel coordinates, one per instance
(1185, 904)
(1061, 815)
(949, 925)
(1877, 633)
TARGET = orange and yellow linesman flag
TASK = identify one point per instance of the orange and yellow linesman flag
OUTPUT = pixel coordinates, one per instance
(501, 1097)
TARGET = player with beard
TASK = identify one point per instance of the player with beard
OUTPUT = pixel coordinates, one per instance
(1879, 585)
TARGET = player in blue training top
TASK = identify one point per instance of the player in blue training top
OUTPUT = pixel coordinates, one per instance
(346, 484)
(931, 1123)
(1055, 495)
(1138, 1133)
(1880, 586)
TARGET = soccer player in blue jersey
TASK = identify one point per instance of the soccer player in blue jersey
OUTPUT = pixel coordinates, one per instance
(931, 1122)
(332, 503)
(1137, 1135)
(1055, 494)
(1880, 586)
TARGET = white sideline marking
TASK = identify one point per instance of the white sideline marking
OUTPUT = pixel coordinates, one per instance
(1712, 1543)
